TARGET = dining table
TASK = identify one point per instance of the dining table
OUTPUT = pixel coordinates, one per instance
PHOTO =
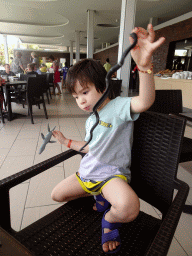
(10, 87)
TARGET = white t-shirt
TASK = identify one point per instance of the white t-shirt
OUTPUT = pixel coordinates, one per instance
(110, 148)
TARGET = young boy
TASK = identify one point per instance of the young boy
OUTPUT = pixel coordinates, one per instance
(105, 167)
(30, 70)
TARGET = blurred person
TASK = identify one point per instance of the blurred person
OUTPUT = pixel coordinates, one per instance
(30, 70)
(65, 70)
(17, 65)
(107, 65)
(43, 68)
(7, 71)
(56, 79)
(35, 59)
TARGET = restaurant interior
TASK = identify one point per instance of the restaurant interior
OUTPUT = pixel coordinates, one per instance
(62, 27)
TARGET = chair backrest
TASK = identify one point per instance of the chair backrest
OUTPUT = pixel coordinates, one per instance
(50, 77)
(155, 157)
(24, 77)
(167, 101)
(44, 81)
(34, 87)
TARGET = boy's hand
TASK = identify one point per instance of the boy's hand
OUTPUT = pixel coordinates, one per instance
(145, 46)
(59, 136)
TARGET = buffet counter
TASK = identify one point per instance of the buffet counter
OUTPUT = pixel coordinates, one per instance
(176, 84)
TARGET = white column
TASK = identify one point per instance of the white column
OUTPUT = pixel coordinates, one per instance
(18, 43)
(128, 10)
(77, 41)
(153, 21)
(90, 33)
(6, 49)
(71, 52)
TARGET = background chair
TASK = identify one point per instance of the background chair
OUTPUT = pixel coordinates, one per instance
(35, 94)
(170, 102)
(75, 228)
(2, 113)
(45, 86)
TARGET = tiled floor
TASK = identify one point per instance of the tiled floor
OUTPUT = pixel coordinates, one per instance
(19, 146)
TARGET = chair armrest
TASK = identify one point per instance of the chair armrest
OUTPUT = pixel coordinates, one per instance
(15, 179)
(34, 170)
(163, 239)
(188, 118)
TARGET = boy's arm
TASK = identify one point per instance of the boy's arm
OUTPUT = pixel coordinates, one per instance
(146, 93)
(142, 55)
(76, 145)
(73, 144)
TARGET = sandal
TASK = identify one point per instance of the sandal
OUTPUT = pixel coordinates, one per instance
(101, 208)
(111, 236)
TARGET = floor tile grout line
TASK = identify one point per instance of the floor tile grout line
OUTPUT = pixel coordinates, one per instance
(181, 245)
(24, 208)
(11, 146)
(44, 205)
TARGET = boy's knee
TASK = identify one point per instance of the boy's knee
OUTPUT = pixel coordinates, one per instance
(55, 196)
(128, 211)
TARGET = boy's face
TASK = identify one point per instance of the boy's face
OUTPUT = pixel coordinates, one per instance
(87, 97)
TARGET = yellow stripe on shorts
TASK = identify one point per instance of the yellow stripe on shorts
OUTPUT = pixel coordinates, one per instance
(95, 187)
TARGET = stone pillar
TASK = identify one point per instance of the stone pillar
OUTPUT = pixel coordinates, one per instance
(153, 21)
(77, 40)
(6, 49)
(18, 43)
(90, 33)
(71, 52)
(128, 10)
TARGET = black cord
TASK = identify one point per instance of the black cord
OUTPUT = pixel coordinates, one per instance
(107, 79)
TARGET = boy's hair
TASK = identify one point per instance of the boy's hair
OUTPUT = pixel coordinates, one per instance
(107, 59)
(86, 71)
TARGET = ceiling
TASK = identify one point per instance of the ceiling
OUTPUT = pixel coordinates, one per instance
(52, 23)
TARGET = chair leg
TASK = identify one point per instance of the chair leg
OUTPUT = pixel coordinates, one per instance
(2, 117)
(45, 110)
(50, 93)
(30, 112)
(47, 97)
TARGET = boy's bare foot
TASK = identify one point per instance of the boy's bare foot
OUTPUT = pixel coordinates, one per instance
(95, 208)
(110, 245)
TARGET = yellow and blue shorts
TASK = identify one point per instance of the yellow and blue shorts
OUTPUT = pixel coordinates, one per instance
(95, 187)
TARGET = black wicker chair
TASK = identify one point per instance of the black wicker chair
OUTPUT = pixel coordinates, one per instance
(75, 228)
(45, 85)
(3, 113)
(35, 94)
(170, 102)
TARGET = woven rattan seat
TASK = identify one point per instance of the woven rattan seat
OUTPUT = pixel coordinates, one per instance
(170, 102)
(75, 228)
